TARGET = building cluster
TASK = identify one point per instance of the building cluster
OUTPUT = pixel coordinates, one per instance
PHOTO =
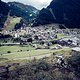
(45, 33)
(42, 33)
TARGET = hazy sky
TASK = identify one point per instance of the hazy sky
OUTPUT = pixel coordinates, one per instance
(39, 4)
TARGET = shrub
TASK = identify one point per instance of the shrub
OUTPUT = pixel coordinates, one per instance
(8, 51)
(42, 66)
(74, 62)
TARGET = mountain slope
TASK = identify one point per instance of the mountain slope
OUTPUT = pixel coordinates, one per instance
(12, 9)
(25, 11)
(61, 11)
(4, 9)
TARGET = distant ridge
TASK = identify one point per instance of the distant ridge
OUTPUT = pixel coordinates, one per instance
(26, 12)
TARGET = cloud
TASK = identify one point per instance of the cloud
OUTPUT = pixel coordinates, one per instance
(39, 4)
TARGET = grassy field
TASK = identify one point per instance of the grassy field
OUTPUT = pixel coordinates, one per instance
(25, 54)
(13, 49)
(59, 36)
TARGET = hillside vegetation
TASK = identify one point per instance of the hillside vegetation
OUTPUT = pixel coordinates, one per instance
(11, 22)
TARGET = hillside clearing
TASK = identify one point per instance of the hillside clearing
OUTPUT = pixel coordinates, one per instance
(12, 23)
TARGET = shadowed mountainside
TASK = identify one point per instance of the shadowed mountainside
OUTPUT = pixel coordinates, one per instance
(4, 9)
(61, 11)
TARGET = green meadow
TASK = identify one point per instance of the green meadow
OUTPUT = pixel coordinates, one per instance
(18, 52)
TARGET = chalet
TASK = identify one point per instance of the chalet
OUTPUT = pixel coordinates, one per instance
(73, 41)
(75, 51)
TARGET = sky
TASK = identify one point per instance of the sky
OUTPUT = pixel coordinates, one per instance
(39, 4)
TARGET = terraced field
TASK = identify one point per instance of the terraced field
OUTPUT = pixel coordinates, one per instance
(29, 52)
